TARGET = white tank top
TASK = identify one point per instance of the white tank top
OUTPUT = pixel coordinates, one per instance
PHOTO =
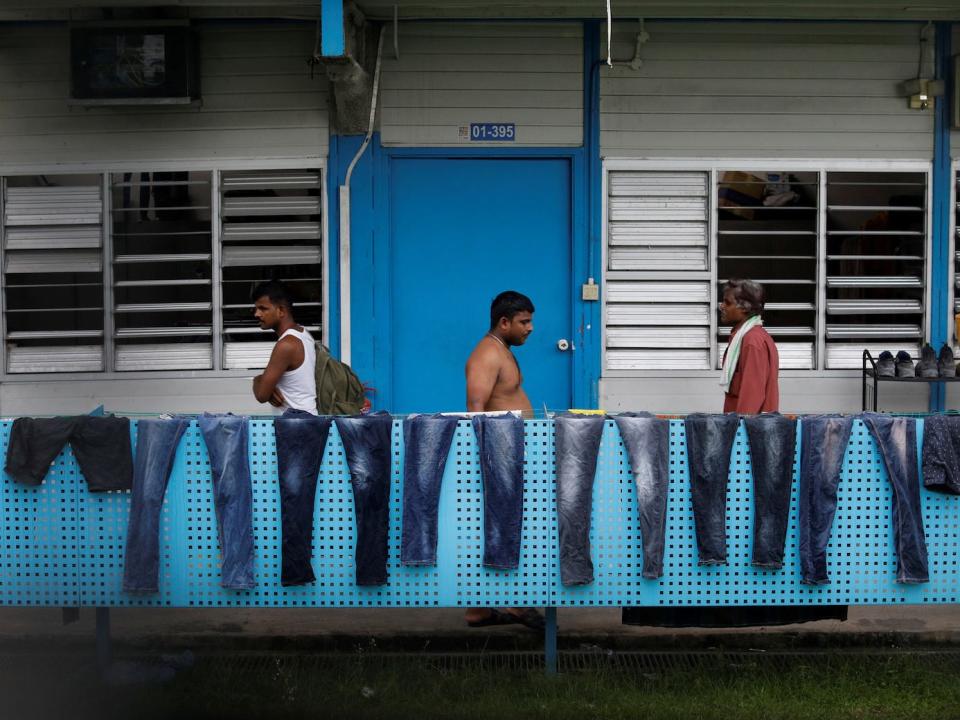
(299, 387)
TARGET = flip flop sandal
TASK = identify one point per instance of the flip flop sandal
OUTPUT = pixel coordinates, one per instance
(530, 618)
(494, 618)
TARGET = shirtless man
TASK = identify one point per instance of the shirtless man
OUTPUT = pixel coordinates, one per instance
(494, 382)
(288, 381)
(493, 374)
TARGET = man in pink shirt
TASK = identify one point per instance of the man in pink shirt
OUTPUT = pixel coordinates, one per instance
(750, 362)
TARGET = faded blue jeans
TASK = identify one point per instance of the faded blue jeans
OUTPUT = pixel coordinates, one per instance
(157, 441)
(897, 439)
(647, 441)
(226, 440)
(301, 440)
(941, 453)
(577, 446)
(773, 444)
(823, 443)
(500, 447)
(709, 443)
(367, 442)
(426, 444)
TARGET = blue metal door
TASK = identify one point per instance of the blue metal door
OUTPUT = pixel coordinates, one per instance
(463, 230)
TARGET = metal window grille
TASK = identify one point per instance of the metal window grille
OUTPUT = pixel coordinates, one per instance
(53, 273)
(657, 297)
(271, 227)
(161, 236)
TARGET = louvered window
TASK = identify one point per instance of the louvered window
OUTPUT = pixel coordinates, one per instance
(162, 286)
(53, 273)
(657, 295)
(271, 227)
(767, 230)
(956, 260)
(876, 250)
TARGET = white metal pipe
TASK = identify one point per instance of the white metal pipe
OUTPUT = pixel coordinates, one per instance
(345, 265)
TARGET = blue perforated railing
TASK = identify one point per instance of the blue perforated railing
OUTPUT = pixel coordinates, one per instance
(61, 545)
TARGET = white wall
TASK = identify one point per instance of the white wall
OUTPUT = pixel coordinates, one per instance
(764, 90)
(451, 75)
(258, 101)
(837, 392)
(167, 393)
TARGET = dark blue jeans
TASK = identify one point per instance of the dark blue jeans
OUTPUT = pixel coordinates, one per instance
(773, 444)
(500, 447)
(577, 446)
(226, 440)
(301, 440)
(647, 441)
(823, 443)
(709, 443)
(367, 442)
(941, 453)
(157, 442)
(897, 439)
(426, 443)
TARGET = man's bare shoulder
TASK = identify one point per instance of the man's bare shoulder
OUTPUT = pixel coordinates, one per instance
(484, 354)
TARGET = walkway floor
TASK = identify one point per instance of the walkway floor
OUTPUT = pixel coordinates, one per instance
(444, 629)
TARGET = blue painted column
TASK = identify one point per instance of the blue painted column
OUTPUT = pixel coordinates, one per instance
(940, 259)
(367, 224)
(586, 391)
(332, 41)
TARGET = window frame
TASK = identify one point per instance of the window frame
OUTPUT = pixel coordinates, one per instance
(714, 166)
(215, 169)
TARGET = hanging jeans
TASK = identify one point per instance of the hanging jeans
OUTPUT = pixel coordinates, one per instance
(157, 441)
(101, 445)
(301, 440)
(367, 442)
(709, 444)
(226, 440)
(823, 443)
(500, 447)
(426, 444)
(647, 442)
(941, 453)
(577, 446)
(897, 440)
(773, 444)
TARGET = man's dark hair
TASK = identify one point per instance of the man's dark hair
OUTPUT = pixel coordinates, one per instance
(749, 295)
(507, 304)
(276, 292)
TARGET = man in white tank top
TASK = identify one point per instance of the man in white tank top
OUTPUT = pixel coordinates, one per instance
(288, 381)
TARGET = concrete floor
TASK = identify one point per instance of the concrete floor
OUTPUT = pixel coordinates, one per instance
(444, 629)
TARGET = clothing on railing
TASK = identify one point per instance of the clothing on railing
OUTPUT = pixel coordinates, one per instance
(501, 452)
(773, 444)
(426, 444)
(577, 443)
(226, 440)
(301, 439)
(101, 445)
(366, 441)
(157, 442)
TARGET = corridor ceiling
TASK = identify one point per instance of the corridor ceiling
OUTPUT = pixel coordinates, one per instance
(517, 9)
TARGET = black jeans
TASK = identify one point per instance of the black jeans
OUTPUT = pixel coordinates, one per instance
(157, 441)
(897, 439)
(941, 453)
(301, 440)
(500, 447)
(577, 446)
(101, 445)
(647, 442)
(823, 444)
(367, 442)
(709, 444)
(773, 443)
(426, 443)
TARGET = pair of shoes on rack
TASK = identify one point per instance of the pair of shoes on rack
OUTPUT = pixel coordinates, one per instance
(929, 366)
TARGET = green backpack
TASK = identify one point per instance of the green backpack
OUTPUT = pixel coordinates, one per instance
(339, 390)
